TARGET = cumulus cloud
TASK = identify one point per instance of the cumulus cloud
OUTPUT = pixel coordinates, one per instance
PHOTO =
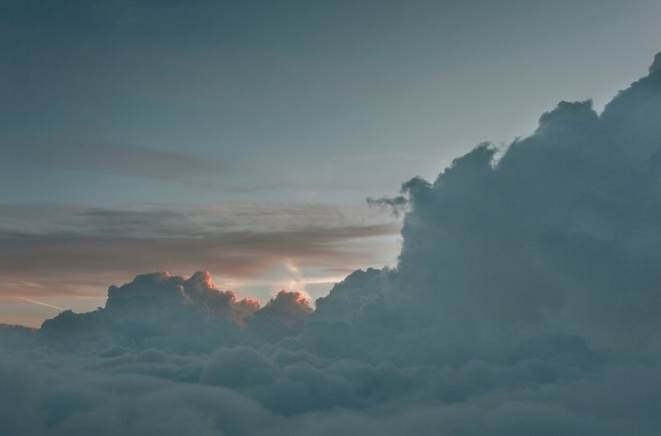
(172, 312)
(525, 301)
(560, 234)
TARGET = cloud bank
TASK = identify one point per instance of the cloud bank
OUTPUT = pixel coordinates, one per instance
(525, 301)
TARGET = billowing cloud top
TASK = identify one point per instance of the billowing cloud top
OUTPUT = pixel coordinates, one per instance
(525, 301)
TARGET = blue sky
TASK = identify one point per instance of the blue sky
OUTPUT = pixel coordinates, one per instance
(148, 121)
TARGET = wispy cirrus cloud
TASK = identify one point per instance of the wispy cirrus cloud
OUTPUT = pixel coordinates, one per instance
(116, 159)
(78, 251)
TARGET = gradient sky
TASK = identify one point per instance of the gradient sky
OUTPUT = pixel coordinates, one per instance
(244, 137)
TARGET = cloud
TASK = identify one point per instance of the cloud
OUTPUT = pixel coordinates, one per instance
(158, 309)
(78, 251)
(116, 159)
(160, 292)
(396, 204)
(525, 301)
(284, 315)
(558, 235)
(244, 391)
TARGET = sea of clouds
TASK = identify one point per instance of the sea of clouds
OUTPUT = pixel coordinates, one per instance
(526, 301)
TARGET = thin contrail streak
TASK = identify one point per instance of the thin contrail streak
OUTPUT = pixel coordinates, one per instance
(40, 303)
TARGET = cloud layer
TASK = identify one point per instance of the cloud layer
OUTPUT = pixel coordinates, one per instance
(71, 252)
(115, 159)
(525, 301)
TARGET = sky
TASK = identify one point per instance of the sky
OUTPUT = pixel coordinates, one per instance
(524, 300)
(244, 138)
(357, 218)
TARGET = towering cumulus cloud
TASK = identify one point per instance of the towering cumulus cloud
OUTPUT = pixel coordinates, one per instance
(526, 301)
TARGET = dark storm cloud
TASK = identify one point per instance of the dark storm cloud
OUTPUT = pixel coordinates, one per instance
(525, 301)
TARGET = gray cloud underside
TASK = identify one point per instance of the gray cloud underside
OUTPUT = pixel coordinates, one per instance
(525, 301)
